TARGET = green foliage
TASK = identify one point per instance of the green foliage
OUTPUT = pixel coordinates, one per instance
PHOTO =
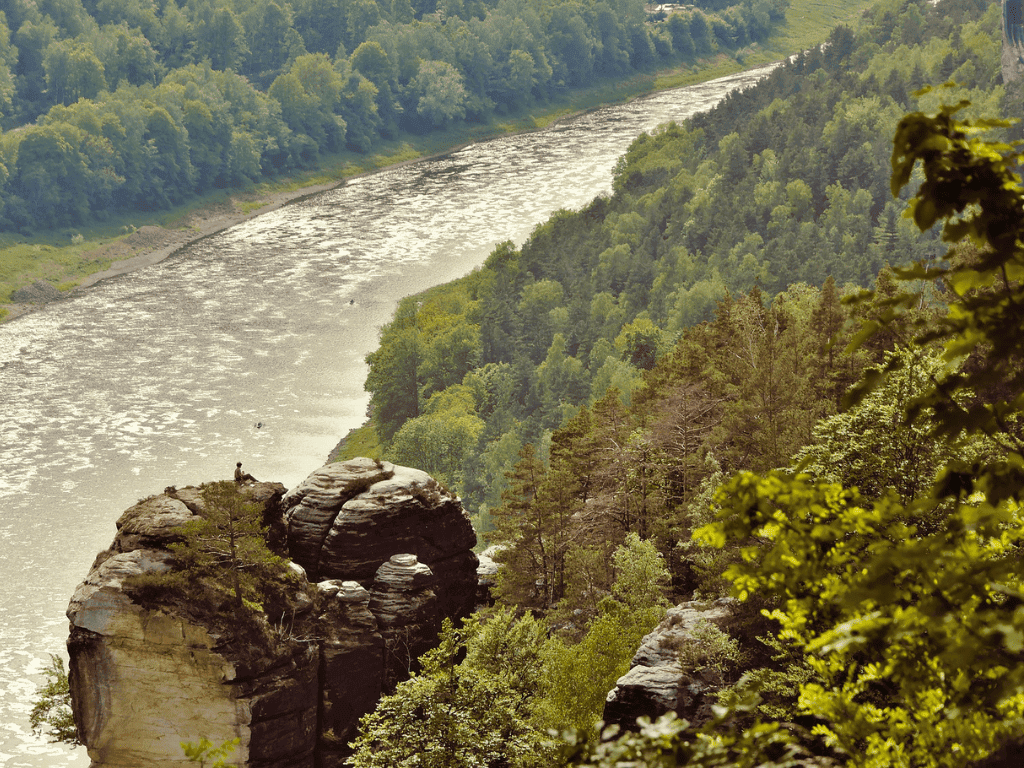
(204, 751)
(577, 677)
(969, 182)
(783, 182)
(899, 628)
(228, 543)
(224, 570)
(52, 708)
(411, 68)
(669, 742)
(901, 623)
(711, 649)
(475, 713)
(641, 578)
(871, 448)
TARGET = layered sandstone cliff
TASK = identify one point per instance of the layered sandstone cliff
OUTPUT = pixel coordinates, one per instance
(388, 553)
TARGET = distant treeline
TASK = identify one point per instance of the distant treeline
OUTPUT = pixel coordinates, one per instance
(786, 183)
(140, 104)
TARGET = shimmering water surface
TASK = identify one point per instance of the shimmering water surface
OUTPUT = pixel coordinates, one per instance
(159, 377)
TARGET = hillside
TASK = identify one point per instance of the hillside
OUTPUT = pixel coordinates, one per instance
(779, 187)
(132, 116)
(682, 391)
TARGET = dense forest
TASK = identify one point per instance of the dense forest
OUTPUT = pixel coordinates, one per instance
(683, 391)
(779, 187)
(117, 105)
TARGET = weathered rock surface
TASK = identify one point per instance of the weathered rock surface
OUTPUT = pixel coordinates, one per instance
(351, 667)
(405, 604)
(348, 518)
(143, 680)
(146, 677)
(486, 575)
(656, 682)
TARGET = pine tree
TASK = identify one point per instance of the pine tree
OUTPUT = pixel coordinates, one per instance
(227, 543)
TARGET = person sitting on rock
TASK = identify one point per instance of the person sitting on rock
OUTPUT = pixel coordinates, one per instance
(242, 477)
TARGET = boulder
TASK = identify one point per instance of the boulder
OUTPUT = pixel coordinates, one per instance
(656, 682)
(346, 519)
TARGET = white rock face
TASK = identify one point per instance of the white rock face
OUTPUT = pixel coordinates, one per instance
(170, 663)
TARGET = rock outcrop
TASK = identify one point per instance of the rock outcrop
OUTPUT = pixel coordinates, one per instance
(487, 575)
(656, 682)
(348, 518)
(405, 604)
(351, 668)
(148, 674)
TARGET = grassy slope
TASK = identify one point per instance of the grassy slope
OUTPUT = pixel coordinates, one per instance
(54, 257)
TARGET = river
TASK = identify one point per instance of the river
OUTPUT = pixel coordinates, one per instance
(246, 346)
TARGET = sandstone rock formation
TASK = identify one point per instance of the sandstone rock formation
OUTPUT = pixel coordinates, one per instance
(348, 518)
(487, 575)
(291, 688)
(405, 604)
(351, 668)
(656, 682)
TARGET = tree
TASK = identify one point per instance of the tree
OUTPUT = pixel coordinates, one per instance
(870, 446)
(221, 38)
(904, 623)
(913, 632)
(523, 526)
(577, 678)
(393, 378)
(73, 71)
(641, 578)
(440, 96)
(474, 714)
(439, 444)
(228, 543)
(640, 343)
(52, 175)
(129, 57)
(52, 708)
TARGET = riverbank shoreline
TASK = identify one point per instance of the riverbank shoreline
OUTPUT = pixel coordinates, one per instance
(151, 245)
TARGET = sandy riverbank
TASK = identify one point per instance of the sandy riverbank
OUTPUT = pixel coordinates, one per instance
(150, 245)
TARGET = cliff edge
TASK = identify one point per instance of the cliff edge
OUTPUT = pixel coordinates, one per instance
(162, 652)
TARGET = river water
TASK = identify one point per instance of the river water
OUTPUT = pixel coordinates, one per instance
(161, 376)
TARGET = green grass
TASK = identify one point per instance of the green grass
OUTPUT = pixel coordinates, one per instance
(361, 441)
(53, 257)
(806, 18)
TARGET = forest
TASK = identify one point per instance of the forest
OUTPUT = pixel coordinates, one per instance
(756, 369)
(120, 105)
(780, 187)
